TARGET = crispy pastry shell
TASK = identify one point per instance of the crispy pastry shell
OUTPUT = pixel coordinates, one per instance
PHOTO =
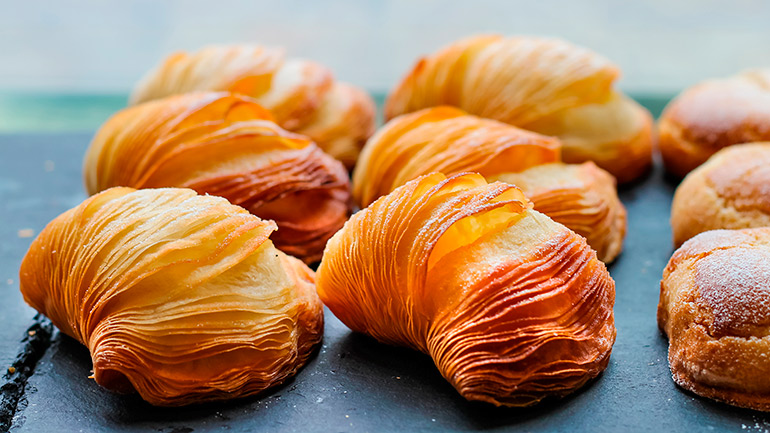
(580, 196)
(447, 140)
(226, 145)
(511, 306)
(302, 95)
(544, 85)
(180, 297)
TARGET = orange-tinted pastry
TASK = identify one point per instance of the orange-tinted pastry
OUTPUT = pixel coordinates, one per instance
(511, 306)
(180, 297)
(544, 85)
(447, 140)
(226, 145)
(715, 309)
(580, 196)
(730, 191)
(713, 115)
(302, 95)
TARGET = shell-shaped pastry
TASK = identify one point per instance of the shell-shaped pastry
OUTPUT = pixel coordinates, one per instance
(580, 196)
(715, 309)
(226, 145)
(712, 115)
(544, 85)
(447, 140)
(180, 297)
(302, 95)
(511, 306)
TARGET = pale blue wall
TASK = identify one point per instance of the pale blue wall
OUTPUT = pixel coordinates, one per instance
(104, 46)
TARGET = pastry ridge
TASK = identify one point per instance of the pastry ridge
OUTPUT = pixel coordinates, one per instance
(226, 144)
(512, 306)
(180, 297)
(544, 85)
(447, 140)
(302, 95)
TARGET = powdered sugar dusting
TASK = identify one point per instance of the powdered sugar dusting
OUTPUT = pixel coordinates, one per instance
(735, 285)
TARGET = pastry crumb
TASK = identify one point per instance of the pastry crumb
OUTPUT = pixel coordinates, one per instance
(26, 233)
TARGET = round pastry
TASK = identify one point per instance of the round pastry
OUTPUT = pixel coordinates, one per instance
(713, 115)
(715, 309)
(226, 145)
(302, 95)
(544, 85)
(730, 191)
(447, 140)
(180, 297)
(580, 196)
(511, 306)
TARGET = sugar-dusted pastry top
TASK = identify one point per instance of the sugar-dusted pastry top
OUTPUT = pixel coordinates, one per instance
(730, 191)
(715, 309)
(511, 306)
(580, 196)
(179, 297)
(712, 115)
(447, 140)
(226, 145)
(302, 95)
(544, 85)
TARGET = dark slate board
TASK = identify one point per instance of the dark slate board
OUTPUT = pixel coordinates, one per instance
(353, 383)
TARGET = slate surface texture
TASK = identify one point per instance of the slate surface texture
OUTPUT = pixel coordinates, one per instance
(353, 383)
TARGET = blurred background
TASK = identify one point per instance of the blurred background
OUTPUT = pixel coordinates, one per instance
(67, 65)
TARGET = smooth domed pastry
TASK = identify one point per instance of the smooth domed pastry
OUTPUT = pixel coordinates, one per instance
(302, 95)
(180, 297)
(713, 115)
(511, 306)
(715, 309)
(730, 191)
(580, 196)
(544, 85)
(226, 145)
(447, 140)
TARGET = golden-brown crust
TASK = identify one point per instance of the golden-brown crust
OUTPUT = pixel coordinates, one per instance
(713, 115)
(730, 191)
(715, 309)
(580, 196)
(512, 306)
(447, 140)
(616, 135)
(544, 85)
(225, 144)
(179, 297)
(302, 95)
